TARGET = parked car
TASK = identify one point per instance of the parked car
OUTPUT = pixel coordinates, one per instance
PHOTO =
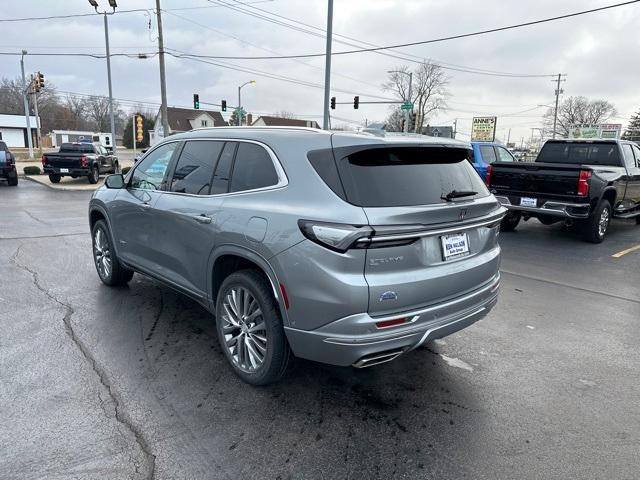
(8, 165)
(139, 155)
(348, 249)
(583, 182)
(486, 153)
(79, 160)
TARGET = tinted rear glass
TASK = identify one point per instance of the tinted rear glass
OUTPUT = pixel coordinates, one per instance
(589, 153)
(403, 176)
(252, 169)
(195, 167)
(76, 148)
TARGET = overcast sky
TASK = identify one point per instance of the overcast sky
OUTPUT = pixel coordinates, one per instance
(599, 53)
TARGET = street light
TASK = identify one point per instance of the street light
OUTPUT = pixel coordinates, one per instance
(406, 100)
(240, 101)
(113, 5)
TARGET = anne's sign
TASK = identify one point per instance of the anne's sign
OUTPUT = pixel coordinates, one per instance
(483, 129)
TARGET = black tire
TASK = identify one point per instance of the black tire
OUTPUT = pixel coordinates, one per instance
(74, 176)
(117, 275)
(116, 167)
(54, 178)
(638, 220)
(510, 221)
(593, 229)
(12, 181)
(277, 353)
(94, 175)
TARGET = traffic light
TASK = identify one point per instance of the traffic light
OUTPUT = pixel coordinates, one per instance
(356, 102)
(38, 82)
(196, 101)
(333, 103)
(139, 127)
(224, 105)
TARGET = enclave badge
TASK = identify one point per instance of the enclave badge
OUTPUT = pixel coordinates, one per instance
(388, 296)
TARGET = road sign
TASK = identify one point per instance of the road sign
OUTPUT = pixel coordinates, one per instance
(406, 106)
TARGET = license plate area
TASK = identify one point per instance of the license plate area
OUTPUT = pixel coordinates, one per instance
(528, 202)
(455, 245)
(64, 170)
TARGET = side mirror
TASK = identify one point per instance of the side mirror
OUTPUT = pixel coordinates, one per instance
(114, 181)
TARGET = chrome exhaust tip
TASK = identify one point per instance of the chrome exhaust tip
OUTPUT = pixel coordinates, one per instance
(378, 358)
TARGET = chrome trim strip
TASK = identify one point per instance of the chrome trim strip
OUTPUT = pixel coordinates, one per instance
(486, 221)
(549, 207)
(431, 330)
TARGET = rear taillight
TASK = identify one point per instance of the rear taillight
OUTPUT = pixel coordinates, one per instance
(84, 161)
(391, 323)
(335, 236)
(43, 160)
(487, 176)
(583, 183)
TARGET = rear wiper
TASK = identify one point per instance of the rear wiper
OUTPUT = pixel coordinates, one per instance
(458, 194)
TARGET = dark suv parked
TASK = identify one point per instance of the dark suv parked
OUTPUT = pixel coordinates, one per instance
(8, 165)
(348, 249)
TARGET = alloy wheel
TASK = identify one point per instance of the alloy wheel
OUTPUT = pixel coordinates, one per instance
(603, 223)
(244, 329)
(102, 253)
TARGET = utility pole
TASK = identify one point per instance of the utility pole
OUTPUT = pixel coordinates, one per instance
(133, 134)
(509, 137)
(455, 127)
(327, 66)
(555, 112)
(25, 98)
(163, 83)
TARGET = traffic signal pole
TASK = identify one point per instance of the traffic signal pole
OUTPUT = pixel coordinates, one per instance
(35, 108)
(111, 115)
(133, 134)
(25, 97)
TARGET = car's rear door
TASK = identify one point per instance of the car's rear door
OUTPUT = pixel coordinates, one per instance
(187, 213)
(426, 248)
(632, 163)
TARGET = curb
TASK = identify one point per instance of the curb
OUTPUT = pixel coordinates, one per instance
(60, 187)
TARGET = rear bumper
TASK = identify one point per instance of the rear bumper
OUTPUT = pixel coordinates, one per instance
(336, 344)
(79, 171)
(548, 207)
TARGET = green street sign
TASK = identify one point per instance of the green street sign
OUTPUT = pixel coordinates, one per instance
(406, 106)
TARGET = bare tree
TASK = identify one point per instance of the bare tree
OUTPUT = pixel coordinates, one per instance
(577, 111)
(428, 89)
(98, 111)
(394, 120)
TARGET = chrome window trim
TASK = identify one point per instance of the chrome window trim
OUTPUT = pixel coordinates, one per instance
(283, 180)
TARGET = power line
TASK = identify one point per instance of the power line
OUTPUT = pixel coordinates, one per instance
(141, 55)
(434, 40)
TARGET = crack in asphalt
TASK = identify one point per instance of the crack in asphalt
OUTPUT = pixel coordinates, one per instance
(120, 415)
(45, 236)
(35, 218)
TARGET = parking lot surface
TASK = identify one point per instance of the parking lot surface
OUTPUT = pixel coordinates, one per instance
(131, 382)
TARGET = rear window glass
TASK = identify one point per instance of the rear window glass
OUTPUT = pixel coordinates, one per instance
(403, 176)
(589, 153)
(76, 148)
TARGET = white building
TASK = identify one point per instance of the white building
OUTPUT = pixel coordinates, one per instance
(183, 120)
(13, 130)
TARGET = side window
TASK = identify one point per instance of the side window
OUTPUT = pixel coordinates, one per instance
(636, 150)
(149, 173)
(253, 169)
(220, 183)
(195, 167)
(629, 161)
(488, 153)
(504, 155)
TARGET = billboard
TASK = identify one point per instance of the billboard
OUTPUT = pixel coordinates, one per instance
(604, 130)
(483, 129)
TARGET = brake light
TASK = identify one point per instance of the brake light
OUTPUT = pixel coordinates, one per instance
(43, 160)
(84, 161)
(335, 236)
(583, 183)
(487, 176)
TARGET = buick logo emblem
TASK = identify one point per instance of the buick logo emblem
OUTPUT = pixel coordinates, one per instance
(462, 214)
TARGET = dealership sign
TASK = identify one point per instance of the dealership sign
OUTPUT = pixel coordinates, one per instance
(483, 129)
(603, 130)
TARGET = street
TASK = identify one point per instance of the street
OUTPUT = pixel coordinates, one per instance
(132, 383)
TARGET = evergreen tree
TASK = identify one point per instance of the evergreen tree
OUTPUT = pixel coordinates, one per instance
(632, 132)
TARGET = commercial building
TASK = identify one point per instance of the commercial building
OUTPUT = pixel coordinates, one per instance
(13, 130)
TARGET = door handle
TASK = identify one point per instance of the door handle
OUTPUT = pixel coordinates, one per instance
(145, 206)
(202, 218)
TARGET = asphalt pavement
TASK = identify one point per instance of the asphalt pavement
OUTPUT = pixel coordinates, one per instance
(131, 383)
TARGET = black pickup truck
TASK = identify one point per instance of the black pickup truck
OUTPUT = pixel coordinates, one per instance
(580, 182)
(79, 160)
(8, 165)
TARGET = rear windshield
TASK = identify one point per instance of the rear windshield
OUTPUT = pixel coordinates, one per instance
(403, 176)
(76, 147)
(589, 153)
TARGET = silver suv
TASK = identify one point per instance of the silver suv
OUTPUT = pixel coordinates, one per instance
(343, 248)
